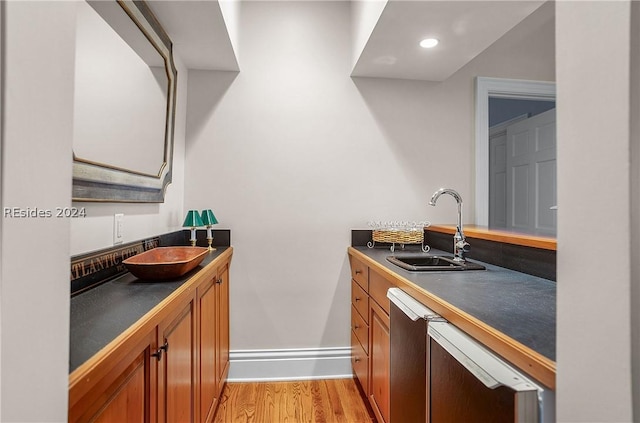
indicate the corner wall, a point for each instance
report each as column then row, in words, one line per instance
column 635, row 206
column 38, row 60
column 594, row 319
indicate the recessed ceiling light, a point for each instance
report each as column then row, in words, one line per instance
column 429, row 43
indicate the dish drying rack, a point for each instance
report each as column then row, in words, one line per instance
column 402, row 233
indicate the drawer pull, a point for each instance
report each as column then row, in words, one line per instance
column 356, row 359
column 356, row 327
column 358, row 299
column 358, row 271
column 219, row 281
column 158, row 353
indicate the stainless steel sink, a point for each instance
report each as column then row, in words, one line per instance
column 424, row 263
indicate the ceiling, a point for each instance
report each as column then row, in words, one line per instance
column 464, row 29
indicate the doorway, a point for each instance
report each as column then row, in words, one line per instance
column 522, row 166
column 497, row 88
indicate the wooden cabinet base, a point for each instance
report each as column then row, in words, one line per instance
column 177, row 368
column 119, row 391
column 170, row 366
column 379, row 377
column 370, row 356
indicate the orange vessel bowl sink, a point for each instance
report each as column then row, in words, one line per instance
column 164, row 263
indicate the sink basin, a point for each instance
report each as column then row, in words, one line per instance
column 164, row 263
column 424, row 263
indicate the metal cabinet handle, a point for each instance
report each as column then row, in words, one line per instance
column 158, row 353
column 358, row 299
column 358, row 271
column 219, row 281
column 356, row 327
column 356, row 359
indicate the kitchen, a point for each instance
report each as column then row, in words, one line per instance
column 319, row 151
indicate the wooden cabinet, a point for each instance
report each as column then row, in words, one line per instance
column 222, row 325
column 213, row 342
column 378, row 287
column 207, row 349
column 370, row 335
column 379, row 379
column 360, row 301
column 176, row 366
column 170, row 366
column 122, row 390
column 360, row 322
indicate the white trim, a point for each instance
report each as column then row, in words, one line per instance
column 290, row 364
column 501, row 88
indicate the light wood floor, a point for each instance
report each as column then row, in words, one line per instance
column 314, row 401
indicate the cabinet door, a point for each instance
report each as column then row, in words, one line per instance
column 360, row 363
column 359, row 272
column 125, row 391
column 379, row 353
column 222, row 321
column 207, row 310
column 177, row 367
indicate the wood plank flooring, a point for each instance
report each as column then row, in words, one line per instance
column 313, row 401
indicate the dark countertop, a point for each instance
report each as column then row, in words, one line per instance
column 521, row 306
column 99, row 315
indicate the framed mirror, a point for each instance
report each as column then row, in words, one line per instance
column 125, row 97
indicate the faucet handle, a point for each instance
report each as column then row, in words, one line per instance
column 463, row 246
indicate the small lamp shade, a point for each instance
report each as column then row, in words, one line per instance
column 192, row 221
column 208, row 218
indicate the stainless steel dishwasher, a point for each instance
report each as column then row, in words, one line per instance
column 469, row 383
column 408, row 366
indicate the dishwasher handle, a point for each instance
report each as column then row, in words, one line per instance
column 411, row 307
column 484, row 365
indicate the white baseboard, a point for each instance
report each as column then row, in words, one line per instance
column 290, row 364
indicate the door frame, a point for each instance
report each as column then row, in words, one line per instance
column 498, row 88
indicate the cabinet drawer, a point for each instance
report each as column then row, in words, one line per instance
column 359, row 273
column 360, row 363
column 360, row 329
column 360, row 300
column 378, row 287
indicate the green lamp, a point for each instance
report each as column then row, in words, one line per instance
column 208, row 220
column 192, row 221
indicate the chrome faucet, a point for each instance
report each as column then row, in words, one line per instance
column 460, row 245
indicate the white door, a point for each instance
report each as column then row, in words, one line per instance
column 498, row 172
column 531, row 174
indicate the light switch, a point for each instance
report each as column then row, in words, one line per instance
column 118, row 229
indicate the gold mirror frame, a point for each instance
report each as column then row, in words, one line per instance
column 101, row 182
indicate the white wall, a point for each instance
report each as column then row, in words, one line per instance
column 594, row 283
column 37, row 134
column 635, row 205
column 288, row 155
column 36, row 172
column 291, row 153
